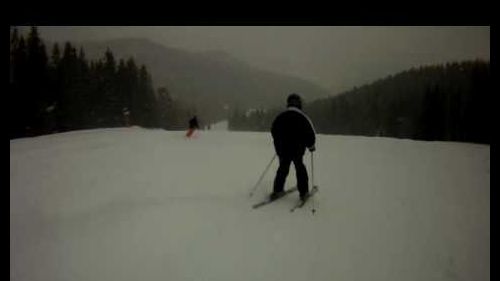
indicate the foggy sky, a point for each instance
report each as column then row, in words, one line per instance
column 337, row 58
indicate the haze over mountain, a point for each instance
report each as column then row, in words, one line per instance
column 213, row 78
column 335, row 57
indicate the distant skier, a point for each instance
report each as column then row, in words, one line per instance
column 292, row 132
column 193, row 126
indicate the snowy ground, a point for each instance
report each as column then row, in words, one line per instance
column 220, row 126
column 135, row 204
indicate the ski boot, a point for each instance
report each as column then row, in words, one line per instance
column 276, row 195
column 304, row 197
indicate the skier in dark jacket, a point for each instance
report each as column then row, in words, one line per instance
column 193, row 123
column 193, row 126
column 292, row 133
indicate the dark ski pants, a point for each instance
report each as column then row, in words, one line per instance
column 300, row 171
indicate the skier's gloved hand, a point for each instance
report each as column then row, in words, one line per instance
column 312, row 148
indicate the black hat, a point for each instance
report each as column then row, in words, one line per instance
column 294, row 100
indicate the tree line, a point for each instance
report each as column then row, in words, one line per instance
column 66, row 91
column 449, row 102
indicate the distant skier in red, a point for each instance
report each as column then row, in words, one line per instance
column 193, row 126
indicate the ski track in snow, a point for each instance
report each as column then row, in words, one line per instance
column 137, row 204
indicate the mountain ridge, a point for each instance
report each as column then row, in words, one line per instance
column 210, row 77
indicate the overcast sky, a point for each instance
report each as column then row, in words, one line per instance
column 334, row 57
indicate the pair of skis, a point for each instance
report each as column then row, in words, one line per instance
column 298, row 205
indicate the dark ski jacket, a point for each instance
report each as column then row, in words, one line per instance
column 292, row 132
column 193, row 123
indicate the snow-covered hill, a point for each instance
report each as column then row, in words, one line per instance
column 136, row 204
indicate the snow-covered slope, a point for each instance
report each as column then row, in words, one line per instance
column 136, row 204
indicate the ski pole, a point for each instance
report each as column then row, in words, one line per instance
column 262, row 176
column 312, row 168
column 312, row 179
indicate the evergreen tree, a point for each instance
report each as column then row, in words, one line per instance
column 18, row 69
column 122, row 89
column 112, row 111
column 132, row 93
column 82, row 89
column 38, row 98
column 68, row 99
column 146, row 100
column 14, row 41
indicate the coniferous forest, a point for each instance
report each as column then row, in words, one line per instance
column 448, row 102
column 59, row 90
